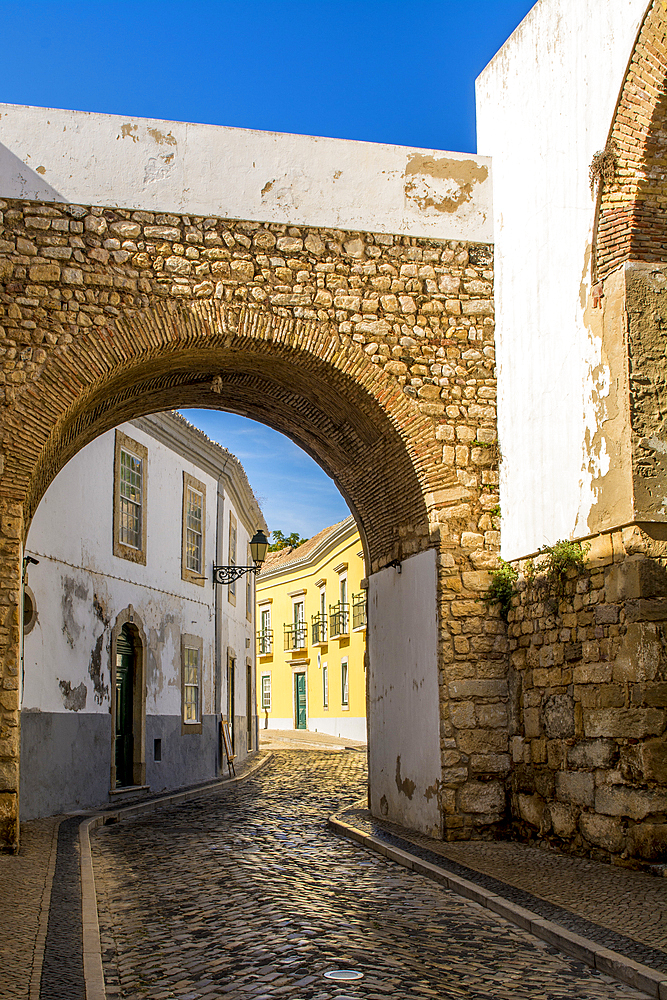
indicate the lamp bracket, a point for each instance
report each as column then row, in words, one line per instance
column 229, row 574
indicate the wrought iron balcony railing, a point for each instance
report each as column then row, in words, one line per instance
column 296, row 635
column 339, row 619
column 358, row 611
column 319, row 628
column 265, row 642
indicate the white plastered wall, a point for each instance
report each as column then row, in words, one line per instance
column 544, row 108
column 404, row 709
column 94, row 159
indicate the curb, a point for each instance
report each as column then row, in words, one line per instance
column 93, row 972
column 604, row 960
column 40, row 940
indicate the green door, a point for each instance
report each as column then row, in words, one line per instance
column 300, row 700
column 124, row 706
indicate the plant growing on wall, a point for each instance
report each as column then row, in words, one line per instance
column 561, row 557
column 501, row 588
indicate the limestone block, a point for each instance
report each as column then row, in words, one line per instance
column 482, row 740
column 602, row 831
column 576, row 787
column 592, row 673
column 606, row 614
column 45, row 272
column 489, row 763
column 563, row 819
column 467, row 689
column 170, row 233
column 636, row 577
column 592, row 753
column 619, row 800
column 641, row 654
column 538, row 751
column 631, row 723
column 653, row 756
column 531, row 809
column 492, row 716
column 648, row 841
column 558, row 716
column 601, row 552
column 462, row 714
column 531, row 723
column 481, row 797
column 656, row 694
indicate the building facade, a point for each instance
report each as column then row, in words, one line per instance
column 311, row 635
column 131, row 654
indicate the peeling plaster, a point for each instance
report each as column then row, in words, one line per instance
column 441, row 184
column 95, row 671
column 405, row 786
column 70, row 590
column 74, row 699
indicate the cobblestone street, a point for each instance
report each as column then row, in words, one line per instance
column 249, row 894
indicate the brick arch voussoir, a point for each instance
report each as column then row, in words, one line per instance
column 298, row 377
column 631, row 223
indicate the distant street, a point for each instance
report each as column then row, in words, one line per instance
column 248, row 894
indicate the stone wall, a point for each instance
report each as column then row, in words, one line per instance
column 374, row 351
column 588, row 701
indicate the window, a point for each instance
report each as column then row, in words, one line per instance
column 265, row 634
column 231, row 557
column 325, row 685
column 129, row 505
column 296, row 632
column 191, row 683
column 319, row 621
column 359, row 610
column 344, row 687
column 266, row 692
column 193, row 531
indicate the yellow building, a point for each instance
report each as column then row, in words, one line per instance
column 311, row 642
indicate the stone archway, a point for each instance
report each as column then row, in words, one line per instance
column 374, row 352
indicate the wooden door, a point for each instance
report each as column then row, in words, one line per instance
column 248, row 703
column 124, row 709
column 300, row 701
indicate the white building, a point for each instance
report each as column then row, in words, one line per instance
column 132, row 655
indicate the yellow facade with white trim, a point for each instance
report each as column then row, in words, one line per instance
column 311, row 638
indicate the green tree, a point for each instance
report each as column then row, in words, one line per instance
column 280, row 541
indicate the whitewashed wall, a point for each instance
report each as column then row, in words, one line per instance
column 404, row 708
column 85, row 158
column 544, row 108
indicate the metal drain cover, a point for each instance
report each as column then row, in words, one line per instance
column 343, row 975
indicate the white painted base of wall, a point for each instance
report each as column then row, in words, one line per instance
column 275, row 723
column 404, row 702
column 349, row 727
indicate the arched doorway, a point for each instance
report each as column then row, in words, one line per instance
column 390, row 391
column 128, row 702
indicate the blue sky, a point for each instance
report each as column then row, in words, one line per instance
column 395, row 71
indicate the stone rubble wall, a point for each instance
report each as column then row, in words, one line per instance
column 588, row 702
column 87, row 293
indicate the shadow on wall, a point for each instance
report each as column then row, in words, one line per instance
column 17, row 180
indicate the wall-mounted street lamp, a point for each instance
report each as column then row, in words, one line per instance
column 259, row 544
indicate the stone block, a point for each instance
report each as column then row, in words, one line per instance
column 656, row 694
column 606, row 614
column 552, row 677
column 531, row 809
column 461, row 690
column 489, row 763
column 620, row 800
column 482, row 740
column 575, row 787
column 531, row 723
column 630, row 723
column 641, row 654
column 9, row 774
column 558, row 716
column 646, row 610
column 518, row 747
column 653, row 756
column 462, row 714
column 635, row 578
column 45, row 272
column 472, row 540
column 563, row 819
column 481, row 797
column 538, row 751
column 592, row 754
column 603, row 831
column 492, row 716
column 600, row 552
column 648, row 841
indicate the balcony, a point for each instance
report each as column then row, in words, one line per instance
column 319, row 629
column 358, row 611
column 265, row 642
column 339, row 617
column 296, row 635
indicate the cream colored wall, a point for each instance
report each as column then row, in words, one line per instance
column 282, row 665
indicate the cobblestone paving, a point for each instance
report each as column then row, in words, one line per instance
column 23, row 884
column 247, row 894
column 619, row 908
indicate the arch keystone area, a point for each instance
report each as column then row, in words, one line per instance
column 342, row 293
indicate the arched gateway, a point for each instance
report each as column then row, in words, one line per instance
column 357, row 320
